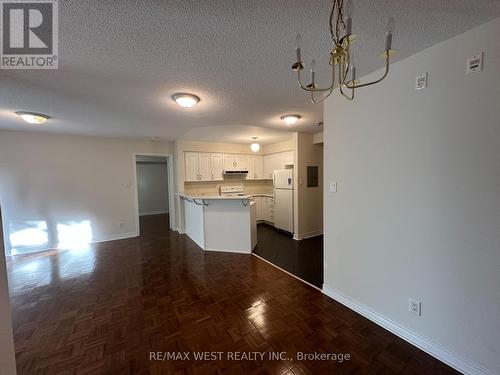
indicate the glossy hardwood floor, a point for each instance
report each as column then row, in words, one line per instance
column 303, row 259
column 101, row 310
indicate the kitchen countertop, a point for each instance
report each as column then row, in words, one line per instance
column 213, row 197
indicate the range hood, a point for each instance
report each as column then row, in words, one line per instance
column 236, row 171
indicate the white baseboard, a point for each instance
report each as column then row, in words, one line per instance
column 445, row 355
column 303, row 236
column 54, row 246
column 114, row 237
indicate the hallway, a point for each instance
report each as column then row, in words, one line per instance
column 103, row 309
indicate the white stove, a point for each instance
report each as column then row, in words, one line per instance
column 231, row 190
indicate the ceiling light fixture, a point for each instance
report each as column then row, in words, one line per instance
column 185, row 100
column 341, row 59
column 255, row 147
column 290, row 119
column 33, row 117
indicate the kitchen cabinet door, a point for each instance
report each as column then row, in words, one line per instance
column 258, row 204
column 258, row 168
column 241, row 161
column 272, row 163
column 216, row 164
column 204, row 167
column 279, row 161
column 228, row 161
column 191, row 166
column 251, row 168
column 270, row 208
column 289, row 158
column 268, row 166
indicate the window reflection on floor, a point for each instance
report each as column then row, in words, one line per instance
column 74, row 235
column 32, row 270
column 28, row 236
column 74, row 256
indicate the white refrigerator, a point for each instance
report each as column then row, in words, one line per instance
column 283, row 199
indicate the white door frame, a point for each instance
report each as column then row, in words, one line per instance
column 170, row 182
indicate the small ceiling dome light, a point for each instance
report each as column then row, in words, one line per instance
column 185, row 100
column 290, row 119
column 33, row 117
column 255, row 147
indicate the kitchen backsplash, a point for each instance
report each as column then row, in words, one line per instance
column 249, row 186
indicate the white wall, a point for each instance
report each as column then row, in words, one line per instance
column 7, row 358
column 417, row 213
column 56, row 179
column 152, row 188
column 308, row 215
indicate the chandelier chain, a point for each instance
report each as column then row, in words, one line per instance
column 339, row 24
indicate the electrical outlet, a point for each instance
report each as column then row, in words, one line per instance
column 421, row 81
column 474, row 63
column 414, row 307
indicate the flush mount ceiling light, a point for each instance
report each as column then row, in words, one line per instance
column 255, row 147
column 185, row 100
column 33, row 117
column 290, row 119
column 342, row 61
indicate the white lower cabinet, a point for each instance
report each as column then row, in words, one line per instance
column 264, row 209
column 258, row 208
column 269, row 211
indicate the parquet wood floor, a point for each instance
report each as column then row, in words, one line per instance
column 102, row 310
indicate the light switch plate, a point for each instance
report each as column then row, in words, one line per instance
column 333, row 187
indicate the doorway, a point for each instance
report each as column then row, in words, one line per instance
column 154, row 198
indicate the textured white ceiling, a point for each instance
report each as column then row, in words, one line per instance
column 120, row 60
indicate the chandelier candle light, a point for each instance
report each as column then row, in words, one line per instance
column 341, row 59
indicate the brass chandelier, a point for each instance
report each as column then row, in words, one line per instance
column 341, row 59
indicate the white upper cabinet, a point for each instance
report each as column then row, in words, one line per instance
column 255, row 166
column 205, row 167
column 229, row 161
column 251, row 167
column 241, row 161
column 273, row 162
column 217, row 170
column 268, row 171
column 235, row 161
column 191, row 167
column 258, row 168
column 289, row 158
